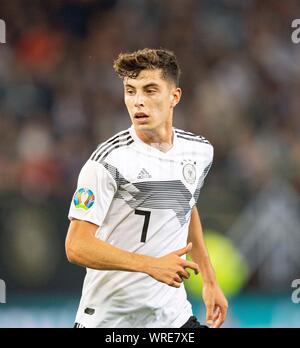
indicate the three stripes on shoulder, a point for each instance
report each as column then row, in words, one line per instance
column 103, row 150
column 191, row 136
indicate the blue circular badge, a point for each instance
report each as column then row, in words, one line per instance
column 84, row 198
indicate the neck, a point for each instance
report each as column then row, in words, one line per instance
column 161, row 138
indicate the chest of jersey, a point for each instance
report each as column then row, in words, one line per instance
column 156, row 181
column 138, row 167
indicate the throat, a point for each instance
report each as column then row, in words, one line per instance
column 163, row 147
column 162, row 142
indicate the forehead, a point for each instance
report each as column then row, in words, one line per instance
column 145, row 77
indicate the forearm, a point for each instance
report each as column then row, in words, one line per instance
column 84, row 249
column 199, row 251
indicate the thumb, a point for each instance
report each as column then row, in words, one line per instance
column 184, row 250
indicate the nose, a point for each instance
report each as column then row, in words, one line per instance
column 139, row 100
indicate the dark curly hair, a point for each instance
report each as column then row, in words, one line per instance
column 131, row 64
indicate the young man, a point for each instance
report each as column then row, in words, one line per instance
column 134, row 215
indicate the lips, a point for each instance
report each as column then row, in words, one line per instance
column 140, row 115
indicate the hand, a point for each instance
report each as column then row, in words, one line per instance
column 216, row 305
column 170, row 269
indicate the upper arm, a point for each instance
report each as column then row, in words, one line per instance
column 78, row 233
column 89, row 206
column 195, row 227
column 195, row 217
column 194, row 213
column 94, row 194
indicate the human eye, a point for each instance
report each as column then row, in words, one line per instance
column 129, row 91
column 151, row 91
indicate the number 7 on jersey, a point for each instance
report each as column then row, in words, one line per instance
column 146, row 222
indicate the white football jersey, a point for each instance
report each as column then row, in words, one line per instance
column 141, row 199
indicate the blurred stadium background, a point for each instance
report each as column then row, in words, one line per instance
column 59, row 98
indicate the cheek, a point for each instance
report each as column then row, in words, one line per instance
column 128, row 102
column 163, row 104
column 160, row 102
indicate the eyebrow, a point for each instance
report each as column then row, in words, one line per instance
column 151, row 84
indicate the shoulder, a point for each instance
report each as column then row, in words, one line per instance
column 189, row 137
column 195, row 143
column 118, row 141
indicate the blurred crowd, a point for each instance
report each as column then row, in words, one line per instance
column 59, row 95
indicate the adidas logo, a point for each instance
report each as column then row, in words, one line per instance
column 143, row 174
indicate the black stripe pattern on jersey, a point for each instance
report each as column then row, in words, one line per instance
column 122, row 139
column 153, row 194
column 100, row 146
column 201, row 181
column 191, row 136
column 117, row 176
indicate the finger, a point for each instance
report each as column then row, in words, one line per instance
column 175, row 284
column 216, row 314
column 209, row 313
column 184, row 274
column 192, row 265
column 184, row 250
column 221, row 318
column 178, row 279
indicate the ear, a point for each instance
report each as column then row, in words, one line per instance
column 176, row 95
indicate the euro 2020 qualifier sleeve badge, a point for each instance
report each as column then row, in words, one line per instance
column 84, row 198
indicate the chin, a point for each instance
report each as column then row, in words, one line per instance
column 143, row 126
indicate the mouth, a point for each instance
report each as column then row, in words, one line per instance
column 140, row 116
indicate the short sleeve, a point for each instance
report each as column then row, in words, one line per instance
column 206, row 165
column 94, row 194
column 208, row 160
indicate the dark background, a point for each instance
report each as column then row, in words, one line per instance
column 59, row 98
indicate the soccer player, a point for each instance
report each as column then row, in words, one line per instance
column 134, row 215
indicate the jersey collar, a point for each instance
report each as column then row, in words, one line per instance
column 150, row 148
